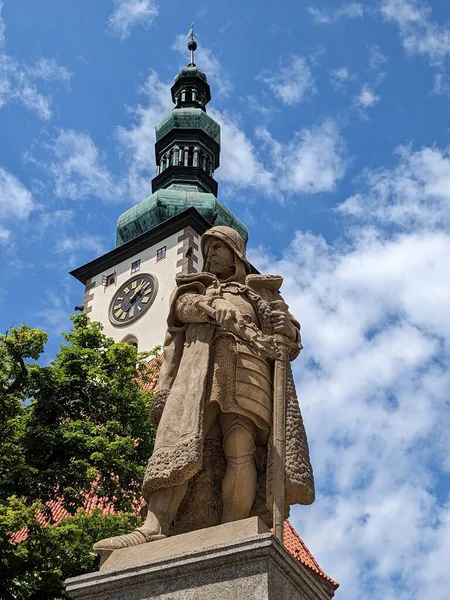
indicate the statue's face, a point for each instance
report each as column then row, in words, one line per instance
column 220, row 259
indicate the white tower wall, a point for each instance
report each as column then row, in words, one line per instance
column 149, row 330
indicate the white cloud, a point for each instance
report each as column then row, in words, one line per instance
column 57, row 309
column 350, row 10
column 139, row 139
column 16, row 86
column 49, row 70
column 5, row 235
column 91, row 243
column 441, row 85
column 415, row 193
column 240, row 163
column 367, row 97
column 18, row 79
column 376, row 58
column 292, row 82
column 16, row 200
column 129, row 13
column 207, row 62
column 374, row 382
column 16, row 203
column 312, row 162
column 55, row 218
column 253, row 104
column 418, row 33
column 340, row 76
column 17, row 83
column 78, row 168
column 316, row 159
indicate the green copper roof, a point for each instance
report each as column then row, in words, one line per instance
column 167, row 203
column 191, row 72
column 188, row 118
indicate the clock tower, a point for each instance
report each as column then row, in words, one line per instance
column 128, row 289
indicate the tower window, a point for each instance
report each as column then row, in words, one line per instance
column 132, row 340
column 109, row 279
column 136, row 265
column 161, row 253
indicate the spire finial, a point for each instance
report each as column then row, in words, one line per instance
column 192, row 44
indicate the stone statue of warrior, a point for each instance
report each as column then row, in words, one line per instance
column 213, row 450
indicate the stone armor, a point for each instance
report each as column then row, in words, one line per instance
column 238, row 380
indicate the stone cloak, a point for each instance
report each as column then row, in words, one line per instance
column 179, row 446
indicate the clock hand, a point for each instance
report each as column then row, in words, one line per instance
column 129, row 303
column 134, row 298
column 136, row 292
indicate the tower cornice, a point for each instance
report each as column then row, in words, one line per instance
column 189, row 176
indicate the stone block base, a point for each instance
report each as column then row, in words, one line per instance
column 236, row 561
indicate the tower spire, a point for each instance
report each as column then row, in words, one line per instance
column 187, row 152
column 192, row 44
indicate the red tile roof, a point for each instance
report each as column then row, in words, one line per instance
column 59, row 513
column 299, row 550
column 152, row 378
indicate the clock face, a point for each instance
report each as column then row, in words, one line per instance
column 132, row 300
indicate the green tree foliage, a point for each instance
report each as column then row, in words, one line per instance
column 67, row 430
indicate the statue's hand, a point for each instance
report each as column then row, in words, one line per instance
column 227, row 315
column 282, row 324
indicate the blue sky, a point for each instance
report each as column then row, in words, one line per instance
column 335, row 153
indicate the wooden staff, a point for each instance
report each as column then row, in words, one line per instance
column 279, row 437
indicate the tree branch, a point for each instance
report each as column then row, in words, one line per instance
column 14, row 386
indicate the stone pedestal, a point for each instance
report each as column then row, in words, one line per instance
column 236, row 561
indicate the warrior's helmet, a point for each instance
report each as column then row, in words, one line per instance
column 232, row 239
